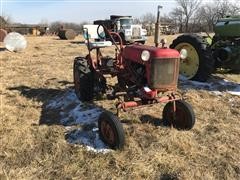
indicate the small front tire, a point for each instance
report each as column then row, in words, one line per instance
column 182, row 119
column 111, row 130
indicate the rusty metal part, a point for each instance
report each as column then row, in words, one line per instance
column 172, row 97
column 107, row 132
column 130, row 104
column 3, row 34
column 157, row 25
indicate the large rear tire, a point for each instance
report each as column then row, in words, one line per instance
column 83, row 79
column 111, row 130
column 199, row 63
column 182, row 119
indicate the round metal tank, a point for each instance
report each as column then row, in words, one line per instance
column 3, row 34
column 15, row 42
column 228, row 27
column 68, row 34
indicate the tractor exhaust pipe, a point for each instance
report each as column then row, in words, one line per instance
column 157, row 25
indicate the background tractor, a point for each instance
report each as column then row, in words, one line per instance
column 146, row 75
column 205, row 54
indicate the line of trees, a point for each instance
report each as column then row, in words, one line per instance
column 188, row 16
column 196, row 16
column 55, row 26
column 193, row 15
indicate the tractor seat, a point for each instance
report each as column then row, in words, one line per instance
column 93, row 40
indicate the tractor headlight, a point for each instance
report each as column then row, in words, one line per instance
column 183, row 54
column 145, row 55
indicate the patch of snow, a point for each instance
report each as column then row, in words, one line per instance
column 218, row 93
column 182, row 78
column 216, row 86
column 90, row 139
column 63, row 101
column 74, row 112
column 80, row 116
column 235, row 91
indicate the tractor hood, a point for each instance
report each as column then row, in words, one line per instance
column 133, row 52
column 228, row 27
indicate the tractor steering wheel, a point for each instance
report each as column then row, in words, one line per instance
column 106, row 32
column 101, row 34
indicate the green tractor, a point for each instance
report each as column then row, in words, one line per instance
column 205, row 54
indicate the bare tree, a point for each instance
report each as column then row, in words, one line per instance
column 148, row 18
column 206, row 17
column 188, row 8
column 225, row 8
column 44, row 22
column 54, row 27
column 136, row 21
column 209, row 13
column 177, row 16
column 5, row 19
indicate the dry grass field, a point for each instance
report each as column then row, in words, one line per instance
column 34, row 143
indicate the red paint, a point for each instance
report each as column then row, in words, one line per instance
column 129, row 104
column 164, row 99
column 134, row 52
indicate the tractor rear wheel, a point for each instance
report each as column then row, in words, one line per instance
column 182, row 119
column 111, row 130
column 83, row 79
column 199, row 63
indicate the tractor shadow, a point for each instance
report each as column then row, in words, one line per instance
column 42, row 95
column 62, row 107
column 149, row 119
column 215, row 84
column 78, row 42
column 168, row 176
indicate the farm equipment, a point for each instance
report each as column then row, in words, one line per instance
column 204, row 54
column 33, row 29
column 67, row 34
column 125, row 27
column 146, row 75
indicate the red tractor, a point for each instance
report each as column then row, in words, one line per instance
column 146, row 75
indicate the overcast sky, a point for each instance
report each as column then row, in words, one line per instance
column 34, row 11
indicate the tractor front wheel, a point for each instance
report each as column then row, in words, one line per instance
column 111, row 130
column 199, row 63
column 182, row 118
column 83, row 79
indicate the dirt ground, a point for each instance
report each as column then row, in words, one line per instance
column 34, row 143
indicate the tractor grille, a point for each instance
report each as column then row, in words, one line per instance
column 164, row 73
column 136, row 32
